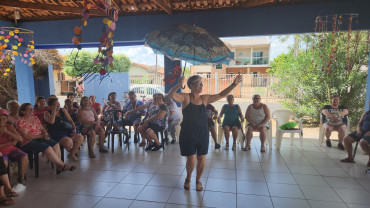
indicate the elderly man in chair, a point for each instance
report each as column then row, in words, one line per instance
column 362, row 135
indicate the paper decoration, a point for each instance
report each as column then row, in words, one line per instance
column 11, row 38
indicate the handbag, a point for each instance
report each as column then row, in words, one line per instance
column 66, row 126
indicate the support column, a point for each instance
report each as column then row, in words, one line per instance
column 25, row 82
column 368, row 86
column 51, row 80
column 169, row 65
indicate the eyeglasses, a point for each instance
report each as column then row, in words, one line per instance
column 257, row 98
column 200, row 83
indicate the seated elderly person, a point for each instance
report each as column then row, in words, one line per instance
column 36, row 139
column 334, row 119
column 8, row 138
column 173, row 119
column 68, row 106
column 39, row 108
column 231, row 121
column 155, row 123
column 149, row 106
column 62, row 129
column 112, row 104
column 212, row 114
column 6, row 191
column 72, row 97
column 258, row 116
column 90, row 125
column 362, row 135
column 95, row 105
column 134, row 118
column 13, row 108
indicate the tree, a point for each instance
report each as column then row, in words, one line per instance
column 8, row 83
column 83, row 62
column 121, row 63
column 323, row 67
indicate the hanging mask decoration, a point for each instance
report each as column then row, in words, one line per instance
column 103, row 62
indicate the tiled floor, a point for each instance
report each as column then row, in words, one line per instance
column 287, row 178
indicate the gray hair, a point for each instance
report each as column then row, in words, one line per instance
column 228, row 96
column 255, row 95
column 193, row 79
column 11, row 103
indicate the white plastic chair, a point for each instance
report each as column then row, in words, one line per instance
column 322, row 130
column 220, row 135
column 269, row 133
column 281, row 117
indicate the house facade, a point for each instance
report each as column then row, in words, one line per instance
column 251, row 55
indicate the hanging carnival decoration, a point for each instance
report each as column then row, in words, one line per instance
column 171, row 78
column 12, row 39
column 103, row 62
column 328, row 31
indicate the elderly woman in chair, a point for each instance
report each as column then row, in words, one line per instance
column 334, row 119
column 258, row 116
column 361, row 135
column 231, row 121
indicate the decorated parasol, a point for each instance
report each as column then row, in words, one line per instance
column 192, row 44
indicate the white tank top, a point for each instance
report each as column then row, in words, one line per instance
column 257, row 115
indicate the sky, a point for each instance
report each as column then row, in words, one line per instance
column 145, row 55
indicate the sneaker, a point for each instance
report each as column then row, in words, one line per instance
column 149, row 147
column 217, row 146
column 156, row 147
column 340, row 146
column 328, row 143
column 173, row 141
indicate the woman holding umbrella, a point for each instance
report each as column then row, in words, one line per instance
column 194, row 134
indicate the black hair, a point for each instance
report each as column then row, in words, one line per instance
column 70, row 94
column 37, row 100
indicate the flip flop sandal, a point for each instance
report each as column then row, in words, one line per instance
column 7, row 201
column 65, row 168
column 12, row 194
column 199, row 186
column 247, row 148
column 92, row 155
column 187, row 184
column 348, row 160
column 263, row 149
column 234, row 147
column 227, row 146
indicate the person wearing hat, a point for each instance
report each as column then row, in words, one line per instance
column 8, row 138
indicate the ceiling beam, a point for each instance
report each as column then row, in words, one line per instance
column 48, row 7
column 254, row 3
column 164, row 5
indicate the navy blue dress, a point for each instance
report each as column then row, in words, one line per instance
column 194, row 134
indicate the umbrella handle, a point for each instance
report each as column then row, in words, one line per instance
column 183, row 72
column 183, row 87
